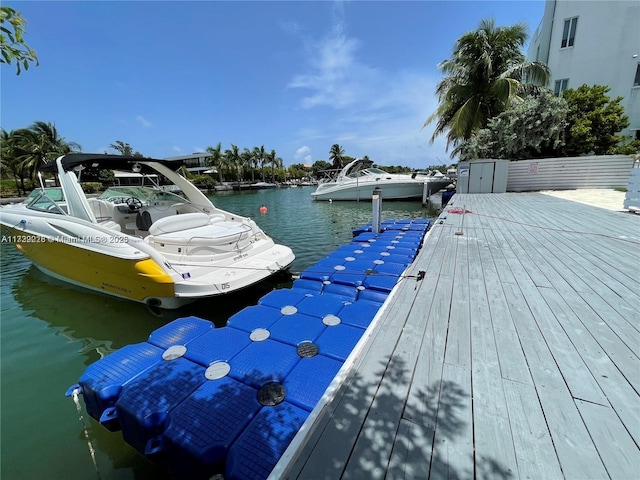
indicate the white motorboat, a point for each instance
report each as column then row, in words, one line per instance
column 358, row 179
column 145, row 244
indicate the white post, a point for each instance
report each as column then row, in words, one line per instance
column 376, row 202
column 425, row 193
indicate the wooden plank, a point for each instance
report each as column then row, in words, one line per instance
column 619, row 453
column 428, row 373
column 411, row 454
column 625, row 300
column 513, row 364
column 375, row 441
column 494, row 445
column 620, row 394
column 458, row 350
column 533, row 446
column 453, row 455
column 575, row 450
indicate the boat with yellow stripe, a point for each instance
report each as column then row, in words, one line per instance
column 144, row 244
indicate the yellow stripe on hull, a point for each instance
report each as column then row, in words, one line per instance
column 129, row 278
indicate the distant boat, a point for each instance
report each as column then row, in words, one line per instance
column 263, row 186
column 358, row 179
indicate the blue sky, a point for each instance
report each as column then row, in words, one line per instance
column 173, row 77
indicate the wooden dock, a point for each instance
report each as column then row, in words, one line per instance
column 517, row 356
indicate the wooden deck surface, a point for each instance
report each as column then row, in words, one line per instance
column 516, row 357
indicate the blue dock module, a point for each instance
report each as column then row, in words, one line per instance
column 308, row 381
column 338, row 341
column 217, row 345
column 252, row 318
column 147, row 401
column 201, row 430
column 103, row 381
column 263, row 362
column 228, row 401
column 261, row 445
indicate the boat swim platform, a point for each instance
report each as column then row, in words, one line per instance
column 516, row 356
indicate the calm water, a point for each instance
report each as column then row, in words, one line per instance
column 51, row 332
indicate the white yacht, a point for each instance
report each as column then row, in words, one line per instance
column 358, row 179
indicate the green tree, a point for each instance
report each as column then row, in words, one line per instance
column 249, row 160
column 533, row 128
column 486, row 72
column 594, row 119
column 25, row 150
column 336, row 155
column 12, row 44
column 259, row 154
column 10, row 159
column 218, row 159
column 234, row 157
column 124, row 148
column 40, row 144
column 318, row 168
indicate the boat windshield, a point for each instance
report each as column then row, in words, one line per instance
column 367, row 171
column 48, row 200
column 145, row 194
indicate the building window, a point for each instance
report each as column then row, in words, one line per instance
column 636, row 80
column 561, row 86
column 569, row 32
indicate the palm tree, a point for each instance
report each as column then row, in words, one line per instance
column 486, row 72
column 234, row 157
column 217, row 159
column 259, row 154
column 249, row 159
column 10, row 158
column 271, row 160
column 40, row 144
column 336, row 154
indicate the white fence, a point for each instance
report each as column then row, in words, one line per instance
column 632, row 197
column 600, row 171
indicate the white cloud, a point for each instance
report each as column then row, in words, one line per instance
column 177, row 149
column 143, row 121
column 303, row 155
column 372, row 112
column 198, row 150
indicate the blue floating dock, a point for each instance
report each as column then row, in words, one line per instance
column 223, row 409
column 228, row 401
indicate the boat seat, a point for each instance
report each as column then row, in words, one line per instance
column 176, row 223
column 111, row 225
column 102, row 210
column 143, row 221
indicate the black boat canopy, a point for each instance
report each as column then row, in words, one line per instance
column 105, row 161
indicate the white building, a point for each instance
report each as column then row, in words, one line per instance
column 593, row 43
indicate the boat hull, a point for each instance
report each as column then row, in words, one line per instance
column 128, row 267
column 388, row 191
column 138, row 279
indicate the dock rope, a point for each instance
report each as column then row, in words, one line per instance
column 85, row 430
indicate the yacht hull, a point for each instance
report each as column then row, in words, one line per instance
column 364, row 191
